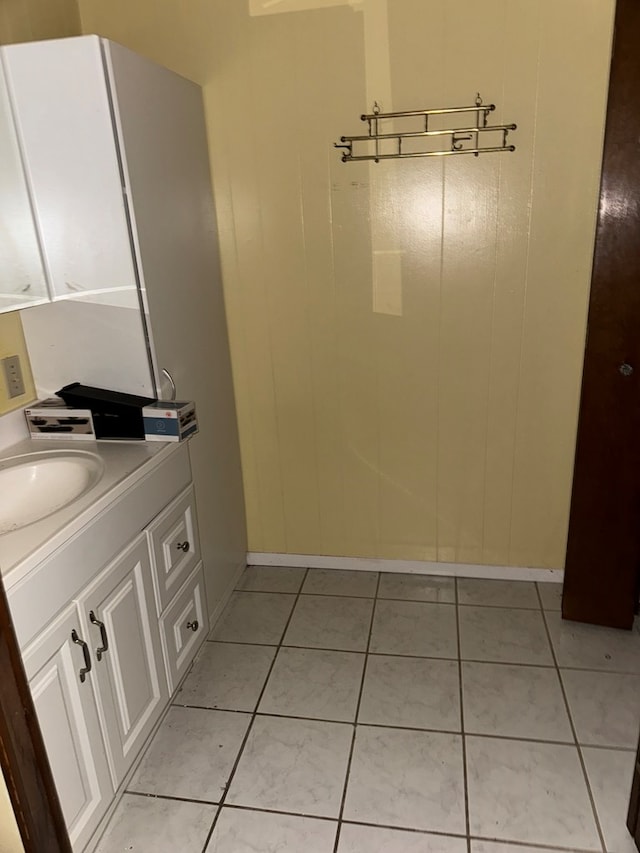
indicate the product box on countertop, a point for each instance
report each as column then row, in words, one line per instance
column 173, row 420
column 51, row 418
column 115, row 415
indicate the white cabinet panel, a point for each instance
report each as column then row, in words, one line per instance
column 68, row 718
column 184, row 627
column 22, row 280
column 132, row 689
column 63, row 116
column 175, row 547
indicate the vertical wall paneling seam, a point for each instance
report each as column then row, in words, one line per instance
column 310, row 350
column 443, row 171
column 526, row 281
column 252, row 88
column 494, row 294
column 241, row 375
column 308, row 303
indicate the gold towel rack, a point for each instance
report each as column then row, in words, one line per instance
column 472, row 131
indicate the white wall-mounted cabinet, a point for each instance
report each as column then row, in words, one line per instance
column 72, row 166
column 22, row 278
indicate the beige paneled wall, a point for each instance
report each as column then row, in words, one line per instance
column 31, row 20
column 12, row 343
column 406, row 337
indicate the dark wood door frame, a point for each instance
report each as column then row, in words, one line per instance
column 22, row 753
column 603, row 549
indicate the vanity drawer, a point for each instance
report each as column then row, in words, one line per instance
column 173, row 538
column 184, row 627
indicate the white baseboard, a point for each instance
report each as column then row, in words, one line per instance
column 423, row 567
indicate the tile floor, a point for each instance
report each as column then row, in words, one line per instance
column 351, row 712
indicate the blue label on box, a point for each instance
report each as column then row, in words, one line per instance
column 161, row 426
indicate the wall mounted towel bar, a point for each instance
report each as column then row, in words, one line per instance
column 376, row 144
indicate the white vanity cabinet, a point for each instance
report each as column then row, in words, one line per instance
column 117, row 612
column 69, row 720
column 103, row 648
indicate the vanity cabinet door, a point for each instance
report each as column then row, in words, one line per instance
column 68, row 717
column 119, row 619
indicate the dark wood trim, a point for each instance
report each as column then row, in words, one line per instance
column 603, row 548
column 22, row 753
column 633, row 816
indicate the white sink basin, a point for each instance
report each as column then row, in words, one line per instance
column 35, row 485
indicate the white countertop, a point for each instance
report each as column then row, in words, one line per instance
column 125, row 462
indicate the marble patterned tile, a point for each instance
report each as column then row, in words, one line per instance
column 254, row 617
column 293, row 765
column 498, row 593
column 228, row 676
column 152, row 825
column 514, row 701
column 271, row 579
column 414, row 587
column 415, row 628
column 192, row 754
column 594, row 647
column 341, row 582
column 314, row 683
column 377, row 839
column 610, row 773
column 502, row 847
column 330, row 623
column 243, row 831
column 605, row 707
column 551, row 595
column 405, row 778
column 413, row 692
column 503, row 635
column 529, row 792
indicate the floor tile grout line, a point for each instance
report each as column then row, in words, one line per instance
column 574, row 731
column 396, row 598
column 411, row 728
column 357, row 713
column 529, row 845
column 552, row 666
column 252, row 721
column 173, row 797
column 465, row 774
column 398, row 828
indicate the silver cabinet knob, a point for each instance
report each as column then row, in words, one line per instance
column 625, row 369
column 193, row 625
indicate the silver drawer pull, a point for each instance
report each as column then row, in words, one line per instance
column 183, row 546
column 193, row 625
column 85, row 651
column 103, row 635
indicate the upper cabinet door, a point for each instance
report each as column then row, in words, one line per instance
column 22, row 279
column 63, row 116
